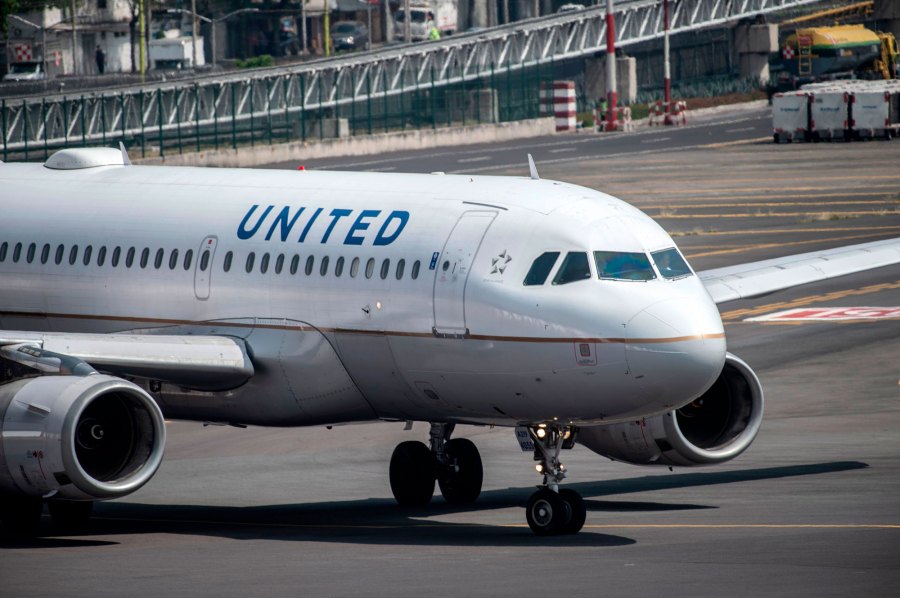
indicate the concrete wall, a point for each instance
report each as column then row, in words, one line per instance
column 361, row 145
column 626, row 78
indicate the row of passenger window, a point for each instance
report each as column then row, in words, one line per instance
column 340, row 264
column 19, row 252
column 611, row 265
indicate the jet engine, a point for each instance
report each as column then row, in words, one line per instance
column 78, row 437
column 713, row 428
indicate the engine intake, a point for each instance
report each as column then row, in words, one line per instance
column 78, row 437
column 713, row 428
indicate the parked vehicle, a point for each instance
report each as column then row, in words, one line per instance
column 349, row 35
column 444, row 17
column 25, row 71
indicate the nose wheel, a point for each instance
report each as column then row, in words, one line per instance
column 553, row 511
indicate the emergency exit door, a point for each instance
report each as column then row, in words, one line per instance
column 452, row 272
column 203, row 267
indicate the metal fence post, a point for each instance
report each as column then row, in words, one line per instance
column 495, row 93
column 159, row 114
column 65, row 115
column 103, row 118
column 287, row 116
column 44, row 119
column 384, row 84
column 5, row 150
column 321, row 112
column 178, row 119
column 25, row 127
column 216, row 97
column 233, row 118
column 269, row 105
column 369, row 100
column 252, row 129
column 143, row 136
column 197, row 114
column 124, row 115
column 433, row 100
column 302, row 108
column 83, row 124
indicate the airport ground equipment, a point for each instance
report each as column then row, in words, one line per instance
column 813, row 53
column 235, row 100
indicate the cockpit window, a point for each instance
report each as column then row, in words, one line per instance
column 670, row 263
column 540, row 269
column 575, row 267
column 618, row 265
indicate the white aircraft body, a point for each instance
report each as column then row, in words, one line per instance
column 285, row 298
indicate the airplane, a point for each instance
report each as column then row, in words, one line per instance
column 134, row 294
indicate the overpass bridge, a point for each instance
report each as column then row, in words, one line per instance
column 230, row 102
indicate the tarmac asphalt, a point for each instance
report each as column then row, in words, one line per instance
column 810, row 509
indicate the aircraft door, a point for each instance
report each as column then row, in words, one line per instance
column 203, row 267
column 453, row 271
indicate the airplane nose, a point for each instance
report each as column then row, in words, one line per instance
column 675, row 349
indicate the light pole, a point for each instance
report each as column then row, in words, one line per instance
column 369, row 13
column 212, row 22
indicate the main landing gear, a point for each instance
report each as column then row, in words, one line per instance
column 551, row 511
column 20, row 516
column 455, row 465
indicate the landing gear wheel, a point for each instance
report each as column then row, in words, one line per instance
column 547, row 513
column 461, row 482
column 70, row 514
column 412, row 474
column 20, row 515
column 577, row 508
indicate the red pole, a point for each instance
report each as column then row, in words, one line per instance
column 612, row 117
column 667, row 99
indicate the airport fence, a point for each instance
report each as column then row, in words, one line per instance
column 500, row 94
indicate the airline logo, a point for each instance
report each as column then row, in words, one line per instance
column 319, row 225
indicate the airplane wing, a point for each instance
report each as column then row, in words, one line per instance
column 200, row 362
column 759, row 278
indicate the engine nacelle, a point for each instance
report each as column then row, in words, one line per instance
column 78, row 437
column 714, row 428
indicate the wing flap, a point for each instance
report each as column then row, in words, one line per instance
column 202, row 362
column 759, row 278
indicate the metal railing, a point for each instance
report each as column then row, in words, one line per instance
column 211, row 108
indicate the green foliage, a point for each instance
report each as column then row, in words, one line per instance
column 255, row 62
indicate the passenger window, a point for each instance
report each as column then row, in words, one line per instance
column 173, row 259
column 310, row 262
column 129, row 257
column 188, row 259
column 31, row 249
column 45, row 253
column 264, row 263
column 414, row 274
column 101, row 255
column 617, row 265
column 86, row 259
column 73, row 255
column 117, row 253
column 575, row 267
column 226, row 265
column 295, row 263
column 17, row 252
column 251, row 257
column 370, row 267
column 204, row 260
column 279, row 263
column 385, row 268
column 157, row 262
column 540, row 269
column 323, row 268
column 3, row 248
column 60, row 254
column 400, row 265
column 339, row 267
column 145, row 257
column 670, row 264
column 354, row 267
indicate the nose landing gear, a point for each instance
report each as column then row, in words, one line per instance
column 551, row 511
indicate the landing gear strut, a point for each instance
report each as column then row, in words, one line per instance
column 455, row 465
column 551, row 511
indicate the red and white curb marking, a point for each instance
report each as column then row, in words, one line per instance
column 830, row 314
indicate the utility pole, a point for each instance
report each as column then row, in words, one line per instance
column 612, row 117
column 406, row 32
column 667, row 74
column 194, row 34
column 74, row 38
column 142, row 45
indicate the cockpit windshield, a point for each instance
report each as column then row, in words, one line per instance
column 670, row 263
column 616, row 265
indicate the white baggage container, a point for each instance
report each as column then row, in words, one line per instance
column 871, row 111
column 829, row 114
column 790, row 116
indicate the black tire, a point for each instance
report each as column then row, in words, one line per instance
column 412, row 474
column 579, row 511
column 777, row 138
column 463, row 485
column 70, row 514
column 20, row 515
column 547, row 513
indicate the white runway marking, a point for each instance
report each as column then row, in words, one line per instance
column 656, row 140
column 830, row 314
column 740, row 130
column 562, row 149
column 478, row 159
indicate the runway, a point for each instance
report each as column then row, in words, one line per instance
column 810, row 509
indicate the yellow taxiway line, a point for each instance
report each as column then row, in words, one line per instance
column 746, row 248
